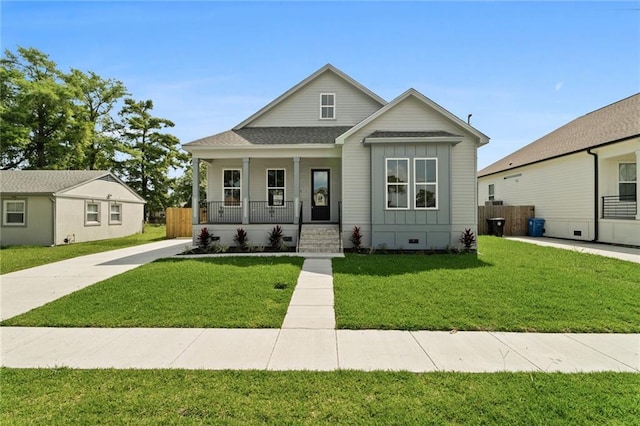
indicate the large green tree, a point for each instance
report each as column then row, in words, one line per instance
column 150, row 154
column 38, row 122
column 182, row 188
column 95, row 101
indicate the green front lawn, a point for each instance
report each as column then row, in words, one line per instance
column 15, row 258
column 509, row 286
column 62, row 396
column 231, row 292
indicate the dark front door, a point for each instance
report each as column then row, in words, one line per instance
column 320, row 197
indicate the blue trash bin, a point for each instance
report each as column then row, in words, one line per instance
column 536, row 227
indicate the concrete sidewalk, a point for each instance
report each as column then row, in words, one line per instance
column 307, row 340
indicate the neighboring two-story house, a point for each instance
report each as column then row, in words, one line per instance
column 331, row 153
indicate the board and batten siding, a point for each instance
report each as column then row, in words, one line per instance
column 302, row 108
column 409, row 115
column 561, row 190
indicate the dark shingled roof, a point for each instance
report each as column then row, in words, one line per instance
column 45, row 181
column 272, row 136
column 615, row 122
column 423, row 134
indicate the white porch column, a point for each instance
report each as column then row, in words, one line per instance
column 296, row 190
column 195, row 195
column 637, row 184
column 245, row 190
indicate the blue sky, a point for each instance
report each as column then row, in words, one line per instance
column 521, row 68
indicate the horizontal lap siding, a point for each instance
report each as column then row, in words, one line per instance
column 303, row 107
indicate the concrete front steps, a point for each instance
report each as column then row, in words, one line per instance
column 320, row 239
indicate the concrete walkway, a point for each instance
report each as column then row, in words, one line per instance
column 307, row 340
column 629, row 254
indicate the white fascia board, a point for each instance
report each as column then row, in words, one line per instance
column 269, row 151
column 422, row 139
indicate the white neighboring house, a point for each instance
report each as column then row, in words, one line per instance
column 582, row 178
column 331, row 153
column 53, row 207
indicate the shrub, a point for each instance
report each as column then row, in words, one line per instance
column 356, row 239
column 241, row 238
column 203, row 238
column 275, row 237
column 468, row 240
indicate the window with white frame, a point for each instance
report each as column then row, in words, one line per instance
column 492, row 192
column 232, row 187
column 14, row 212
column 92, row 213
column 397, row 183
column 327, row 106
column 425, row 171
column 627, row 181
column 115, row 214
column 275, row 187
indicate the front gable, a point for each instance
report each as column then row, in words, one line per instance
column 301, row 105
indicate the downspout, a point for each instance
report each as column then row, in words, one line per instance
column 53, row 219
column 596, row 196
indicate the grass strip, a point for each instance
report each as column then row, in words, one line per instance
column 230, row 292
column 509, row 286
column 63, row 396
column 15, row 258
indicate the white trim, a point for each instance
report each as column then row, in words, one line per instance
column 239, row 188
column 283, row 187
column 454, row 140
column 111, row 220
column 332, row 105
column 24, row 213
column 416, row 183
column 88, row 222
column 407, row 184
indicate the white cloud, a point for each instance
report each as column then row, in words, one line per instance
column 559, row 86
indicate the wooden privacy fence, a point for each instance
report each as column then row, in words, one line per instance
column 516, row 218
column 179, row 221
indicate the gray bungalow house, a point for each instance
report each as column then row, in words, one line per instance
column 53, row 207
column 329, row 155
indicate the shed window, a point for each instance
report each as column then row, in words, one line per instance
column 275, row 187
column 426, row 183
column 327, row 106
column 627, row 181
column 231, row 187
column 14, row 212
column 115, row 214
column 397, row 184
column 92, row 213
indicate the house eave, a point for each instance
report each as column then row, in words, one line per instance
column 435, row 139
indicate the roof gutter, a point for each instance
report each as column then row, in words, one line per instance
column 595, row 195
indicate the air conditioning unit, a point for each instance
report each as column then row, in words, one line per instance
column 493, row 203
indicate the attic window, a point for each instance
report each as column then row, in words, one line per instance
column 327, row 106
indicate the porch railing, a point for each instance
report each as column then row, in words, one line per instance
column 619, row 207
column 259, row 212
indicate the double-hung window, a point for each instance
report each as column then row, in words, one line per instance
column 627, row 182
column 425, row 172
column 397, row 183
column 327, row 106
column 231, row 187
column 115, row 214
column 92, row 213
column 275, row 187
column 14, row 212
column 492, row 191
